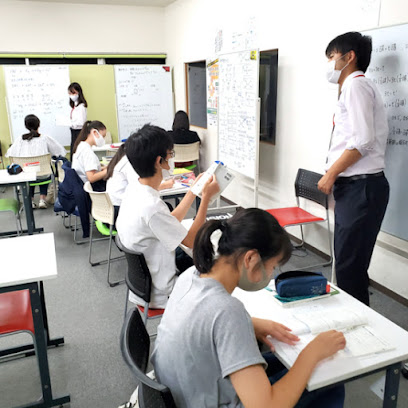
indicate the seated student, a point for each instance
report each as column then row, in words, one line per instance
column 85, row 162
column 182, row 134
column 206, row 349
column 119, row 174
column 145, row 223
column 35, row 144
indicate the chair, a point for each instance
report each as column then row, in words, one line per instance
column 44, row 172
column 103, row 213
column 12, row 205
column 305, row 187
column 139, row 282
column 135, row 347
column 186, row 153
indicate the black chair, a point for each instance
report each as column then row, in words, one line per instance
column 139, row 282
column 135, row 347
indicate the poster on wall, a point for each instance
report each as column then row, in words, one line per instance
column 212, row 92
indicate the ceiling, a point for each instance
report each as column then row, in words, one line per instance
column 144, row 3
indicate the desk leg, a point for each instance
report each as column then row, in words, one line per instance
column 28, row 208
column 198, row 202
column 41, row 343
column 391, row 386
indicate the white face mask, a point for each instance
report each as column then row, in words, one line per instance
column 333, row 74
column 74, row 98
column 170, row 162
column 100, row 141
column 245, row 284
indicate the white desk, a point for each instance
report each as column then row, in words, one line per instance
column 339, row 369
column 107, row 147
column 21, row 180
column 23, row 268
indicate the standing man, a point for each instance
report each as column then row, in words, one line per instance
column 355, row 162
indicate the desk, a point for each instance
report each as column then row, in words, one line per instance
column 342, row 369
column 21, row 180
column 177, row 193
column 27, row 271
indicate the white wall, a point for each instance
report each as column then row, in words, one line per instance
column 59, row 27
column 301, row 31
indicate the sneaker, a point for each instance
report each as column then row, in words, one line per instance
column 42, row 204
column 34, row 205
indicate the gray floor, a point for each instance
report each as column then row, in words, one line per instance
column 89, row 314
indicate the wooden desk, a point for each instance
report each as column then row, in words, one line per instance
column 23, row 267
column 339, row 369
column 23, row 179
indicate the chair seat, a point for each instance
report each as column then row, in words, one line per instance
column 9, row 204
column 151, row 312
column 104, row 229
column 15, row 312
column 293, row 216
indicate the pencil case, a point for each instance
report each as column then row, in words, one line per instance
column 300, row 283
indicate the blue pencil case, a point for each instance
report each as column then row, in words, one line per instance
column 300, row 283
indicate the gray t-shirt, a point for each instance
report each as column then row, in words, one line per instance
column 204, row 336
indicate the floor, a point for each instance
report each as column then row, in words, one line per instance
column 89, row 314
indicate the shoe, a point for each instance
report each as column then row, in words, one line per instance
column 34, row 205
column 42, row 204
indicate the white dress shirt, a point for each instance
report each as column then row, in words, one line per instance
column 37, row 146
column 146, row 225
column 360, row 123
column 123, row 174
column 85, row 160
column 78, row 116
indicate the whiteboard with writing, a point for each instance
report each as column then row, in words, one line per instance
column 389, row 70
column 42, row 91
column 143, row 95
column 238, row 89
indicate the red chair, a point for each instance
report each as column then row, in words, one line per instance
column 305, row 187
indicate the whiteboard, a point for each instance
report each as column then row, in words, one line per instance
column 389, row 70
column 238, row 137
column 143, row 95
column 42, row 91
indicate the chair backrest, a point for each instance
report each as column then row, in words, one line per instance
column 306, row 187
column 135, row 347
column 45, row 163
column 138, row 278
column 102, row 207
column 187, row 152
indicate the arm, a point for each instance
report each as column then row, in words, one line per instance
column 55, row 148
column 95, row 175
column 253, row 387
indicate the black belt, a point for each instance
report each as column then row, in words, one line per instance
column 345, row 180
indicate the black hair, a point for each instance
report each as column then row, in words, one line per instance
column 143, row 147
column 75, row 87
column 249, row 229
column 181, row 121
column 89, row 125
column 353, row 41
column 115, row 160
column 32, row 123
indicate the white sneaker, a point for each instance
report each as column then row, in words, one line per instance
column 42, row 204
column 34, row 205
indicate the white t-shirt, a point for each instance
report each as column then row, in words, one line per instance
column 37, row 146
column 85, row 160
column 123, row 174
column 78, row 116
column 146, row 225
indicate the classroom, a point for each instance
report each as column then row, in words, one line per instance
column 92, row 39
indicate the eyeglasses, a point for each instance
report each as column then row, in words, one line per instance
column 172, row 153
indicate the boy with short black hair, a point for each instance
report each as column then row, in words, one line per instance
column 145, row 223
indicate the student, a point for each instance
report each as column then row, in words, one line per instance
column 78, row 105
column 119, row 174
column 35, row 144
column 209, row 336
column 85, row 162
column 145, row 223
column 355, row 162
column 182, row 134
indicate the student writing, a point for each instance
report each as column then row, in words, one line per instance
column 206, row 350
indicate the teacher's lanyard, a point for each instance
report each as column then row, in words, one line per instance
column 334, row 125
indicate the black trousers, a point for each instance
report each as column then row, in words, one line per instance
column 359, row 211
column 74, row 135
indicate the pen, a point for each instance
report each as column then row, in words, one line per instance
column 185, row 185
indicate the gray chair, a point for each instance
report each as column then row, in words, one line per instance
column 135, row 347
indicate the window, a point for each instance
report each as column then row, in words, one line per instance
column 197, row 93
column 268, row 87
